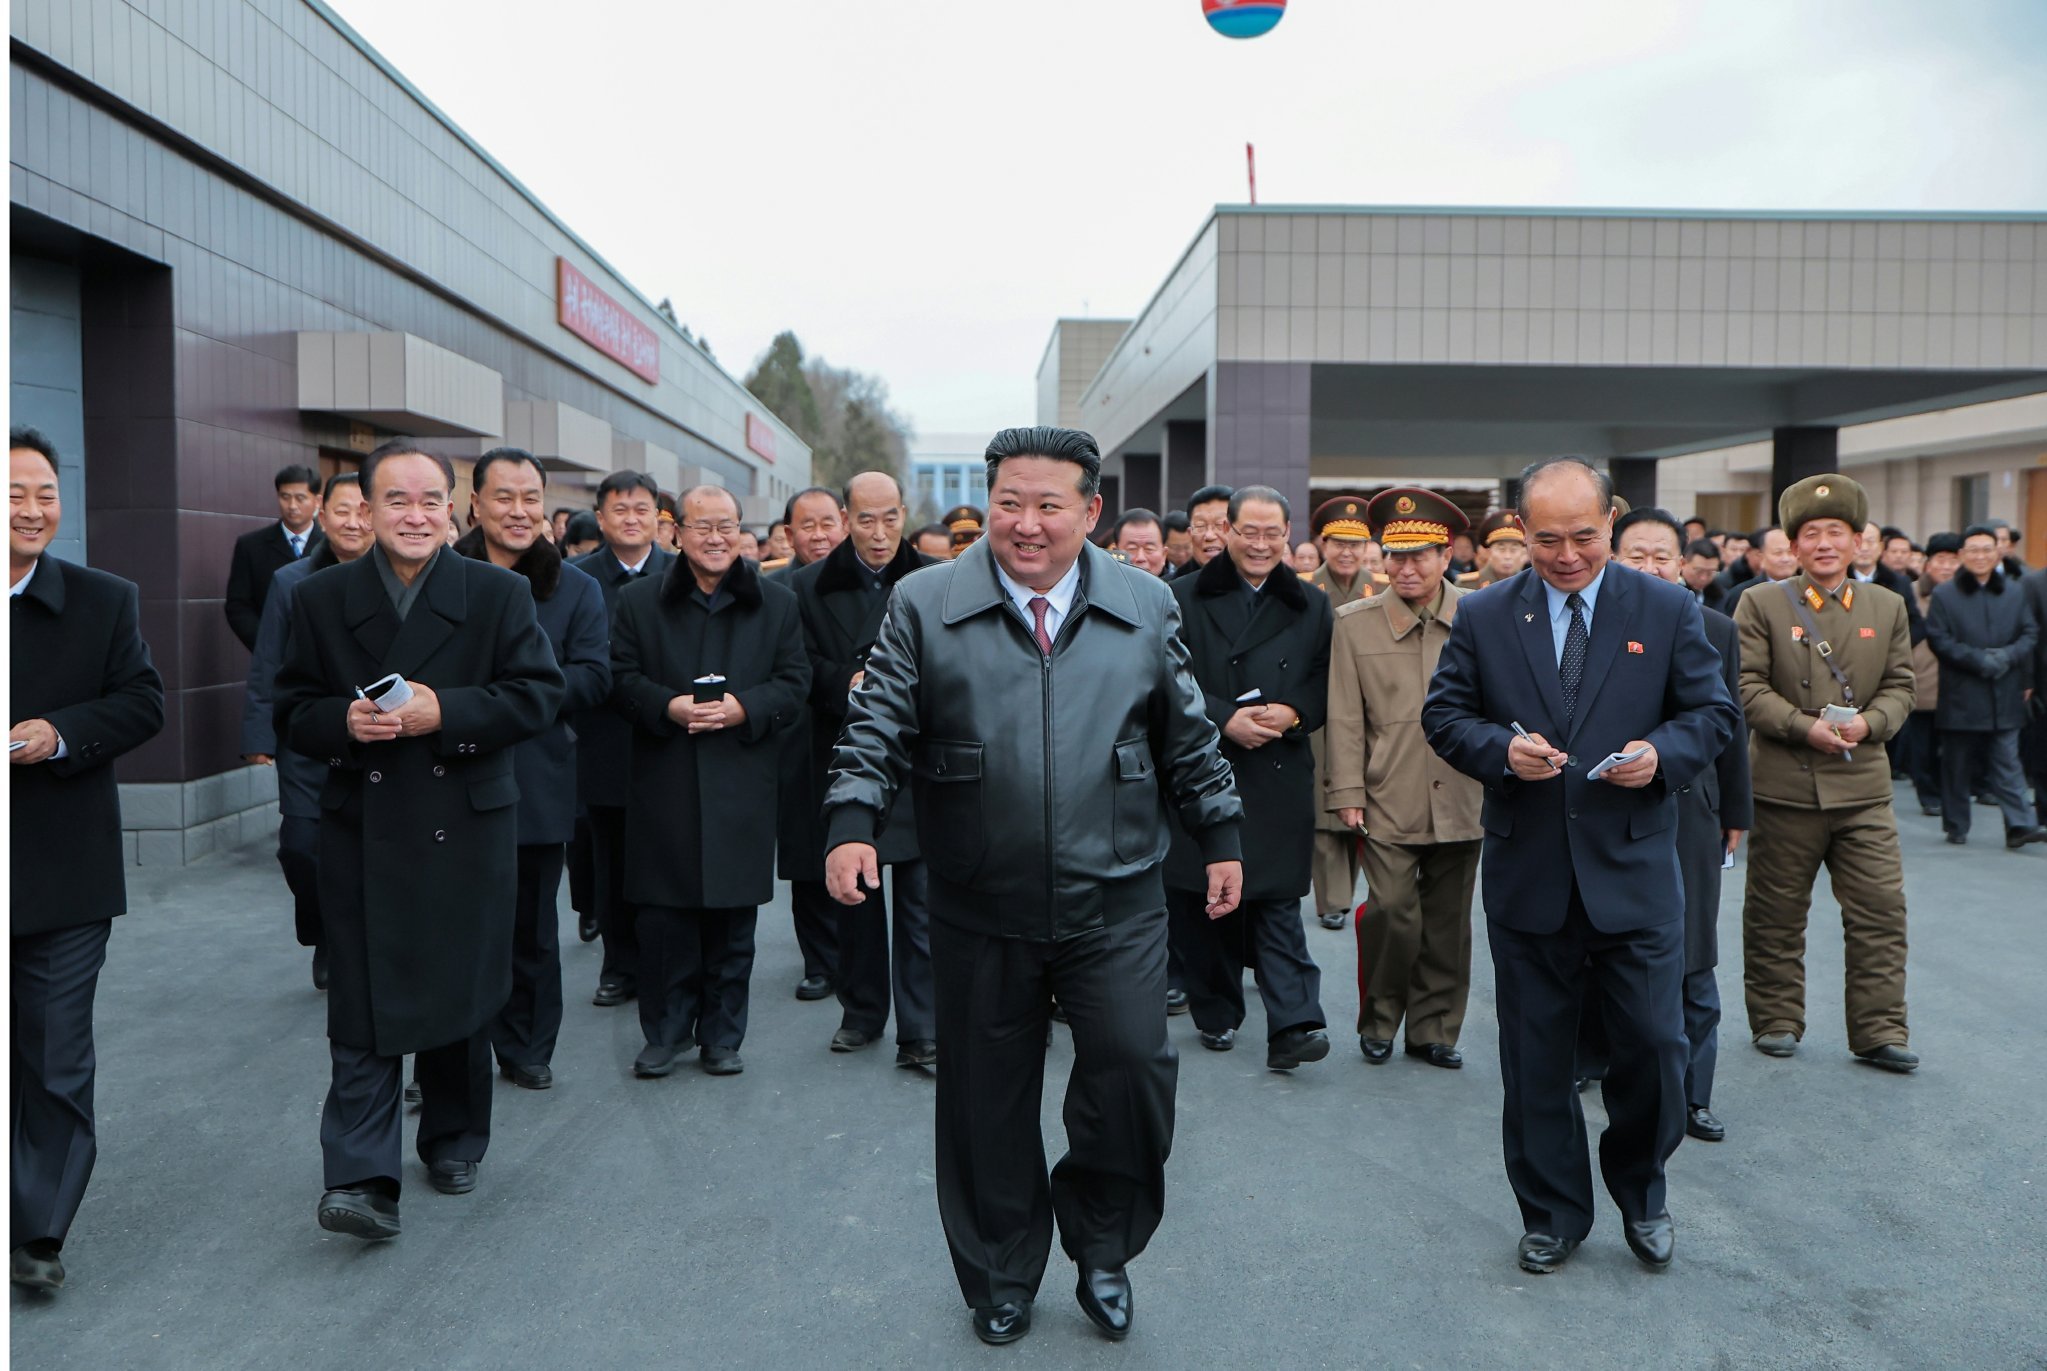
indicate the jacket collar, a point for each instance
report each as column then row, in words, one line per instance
column 974, row 589
column 843, row 569
column 1219, row 577
column 1963, row 577
column 540, row 564
column 742, row 582
column 403, row 645
column 1404, row 620
column 46, row 584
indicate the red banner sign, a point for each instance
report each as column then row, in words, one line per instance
column 759, row 437
column 604, row 323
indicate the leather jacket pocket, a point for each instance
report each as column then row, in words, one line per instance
column 1136, row 805
column 950, row 826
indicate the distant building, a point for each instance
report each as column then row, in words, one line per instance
column 948, row 469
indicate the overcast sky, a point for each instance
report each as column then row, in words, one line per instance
column 920, row 187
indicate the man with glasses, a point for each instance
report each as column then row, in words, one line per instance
column 1258, row 642
column 708, row 665
column 418, row 827
column 1208, row 526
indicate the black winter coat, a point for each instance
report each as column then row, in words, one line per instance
column 1984, row 635
column 604, row 739
column 418, row 836
column 700, row 812
column 79, row 662
column 1279, row 646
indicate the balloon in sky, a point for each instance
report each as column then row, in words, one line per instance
column 1242, row 18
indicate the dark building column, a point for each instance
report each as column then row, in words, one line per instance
column 1261, row 428
column 1143, row 481
column 1185, row 462
column 1634, row 480
column 1796, row 453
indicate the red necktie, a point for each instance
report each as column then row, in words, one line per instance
column 1039, row 604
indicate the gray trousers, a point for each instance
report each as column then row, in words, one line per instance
column 1967, row 758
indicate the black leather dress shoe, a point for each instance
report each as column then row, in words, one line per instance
column 1437, row 1054
column 612, row 991
column 2020, row 837
column 722, row 1061
column 1652, row 1240
column 1958, row 839
column 655, row 1060
column 1105, row 1298
column 917, row 1052
column 587, row 929
column 451, row 1177
column 1931, row 811
column 412, row 1095
column 1376, row 1050
column 1891, row 1057
column 1219, row 1042
column 1003, row 1323
column 1176, row 1002
column 1776, row 1044
column 538, row 1077
column 1542, row 1254
column 852, row 1040
column 364, row 1214
column 1295, row 1047
column 813, row 987
column 319, row 968
column 1700, row 1123
column 1336, row 922
column 38, row 1267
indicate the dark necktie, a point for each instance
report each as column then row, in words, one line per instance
column 1571, row 670
column 1039, row 604
column 297, row 547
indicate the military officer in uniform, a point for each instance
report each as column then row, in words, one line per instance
column 1340, row 528
column 965, row 524
column 1826, row 681
column 1419, row 816
column 1505, row 551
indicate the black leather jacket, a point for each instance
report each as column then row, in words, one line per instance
column 1040, row 783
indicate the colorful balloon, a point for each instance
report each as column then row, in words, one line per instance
column 1242, row 18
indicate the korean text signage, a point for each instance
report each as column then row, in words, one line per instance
column 604, row 323
column 759, row 437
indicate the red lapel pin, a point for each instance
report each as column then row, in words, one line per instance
column 1634, row 647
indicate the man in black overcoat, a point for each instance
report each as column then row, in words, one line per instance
column 700, row 822
column 509, row 505
column 261, row 552
column 1258, row 639
column 626, row 515
column 418, row 827
column 842, row 598
column 82, row 693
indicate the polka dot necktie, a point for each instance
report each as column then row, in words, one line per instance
column 1571, row 670
column 298, row 546
column 1039, row 604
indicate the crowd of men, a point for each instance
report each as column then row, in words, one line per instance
column 1019, row 766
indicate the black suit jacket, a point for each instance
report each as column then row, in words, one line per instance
column 1719, row 799
column 604, row 739
column 1650, row 674
column 258, row 555
column 80, row 663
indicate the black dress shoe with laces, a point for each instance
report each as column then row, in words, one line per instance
column 319, row 968
column 539, row 1076
column 1376, row 1050
column 722, row 1061
column 1652, row 1240
column 917, row 1052
column 1003, row 1323
column 38, row 1267
column 451, row 1177
column 655, row 1060
column 2020, row 837
column 1700, row 1123
column 1437, row 1054
column 852, row 1040
column 1219, row 1042
column 1891, row 1057
column 813, row 987
column 1105, row 1298
column 1296, row 1047
column 366, row 1214
column 613, row 991
column 1541, row 1254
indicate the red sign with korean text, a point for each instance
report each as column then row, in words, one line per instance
column 760, row 438
column 604, row 323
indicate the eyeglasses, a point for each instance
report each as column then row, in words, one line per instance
column 1261, row 536
column 1208, row 526
column 725, row 529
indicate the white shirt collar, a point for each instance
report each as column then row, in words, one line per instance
column 301, row 538
column 635, row 567
column 27, row 576
column 1060, row 596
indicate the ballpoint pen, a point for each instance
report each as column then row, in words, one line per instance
column 1522, row 734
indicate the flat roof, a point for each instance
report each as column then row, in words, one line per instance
column 1618, row 212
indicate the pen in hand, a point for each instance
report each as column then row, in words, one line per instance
column 1522, row 734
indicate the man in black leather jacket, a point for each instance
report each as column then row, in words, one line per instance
column 1037, row 696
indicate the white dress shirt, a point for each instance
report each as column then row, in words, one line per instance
column 298, row 541
column 1560, row 613
column 1059, row 597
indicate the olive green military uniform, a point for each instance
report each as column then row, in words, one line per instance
column 1423, row 838
column 1336, row 847
column 1817, row 809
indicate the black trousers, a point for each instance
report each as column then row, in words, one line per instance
column 1539, row 989
column 617, row 917
column 298, row 853
column 1702, row 1036
column 582, row 868
column 1108, row 1192
column 362, row 1127
column 54, row 978
column 817, row 928
column 1982, row 763
column 869, row 966
column 1920, row 743
column 525, row 1030
column 1264, row 935
column 696, row 971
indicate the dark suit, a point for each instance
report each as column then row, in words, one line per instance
column 258, row 555
column 1579, row 871
column 811, row 908
column 1277, row 643
column 604, row 744
column 2033, row 745
column 418, row 843
column 80, row 664
column 842, row 602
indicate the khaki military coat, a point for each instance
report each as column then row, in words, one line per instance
column 1783, row 676
column 1339, row 596
column 1380, row 662
column 1925, row 666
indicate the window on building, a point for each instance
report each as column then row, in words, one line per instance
column 1972, row 500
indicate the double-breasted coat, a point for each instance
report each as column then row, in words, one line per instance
column 79, row 662
column 418, row 836
column 700, row 812
column 1277, row 644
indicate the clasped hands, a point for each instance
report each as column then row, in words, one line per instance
column 707, row 718
column 1836, row 738
column 417, row 717
column 1257, row 725
column 1533, row 759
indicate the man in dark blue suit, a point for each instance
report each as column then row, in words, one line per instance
column 1580, row 875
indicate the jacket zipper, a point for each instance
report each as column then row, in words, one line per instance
column 1051, row 866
